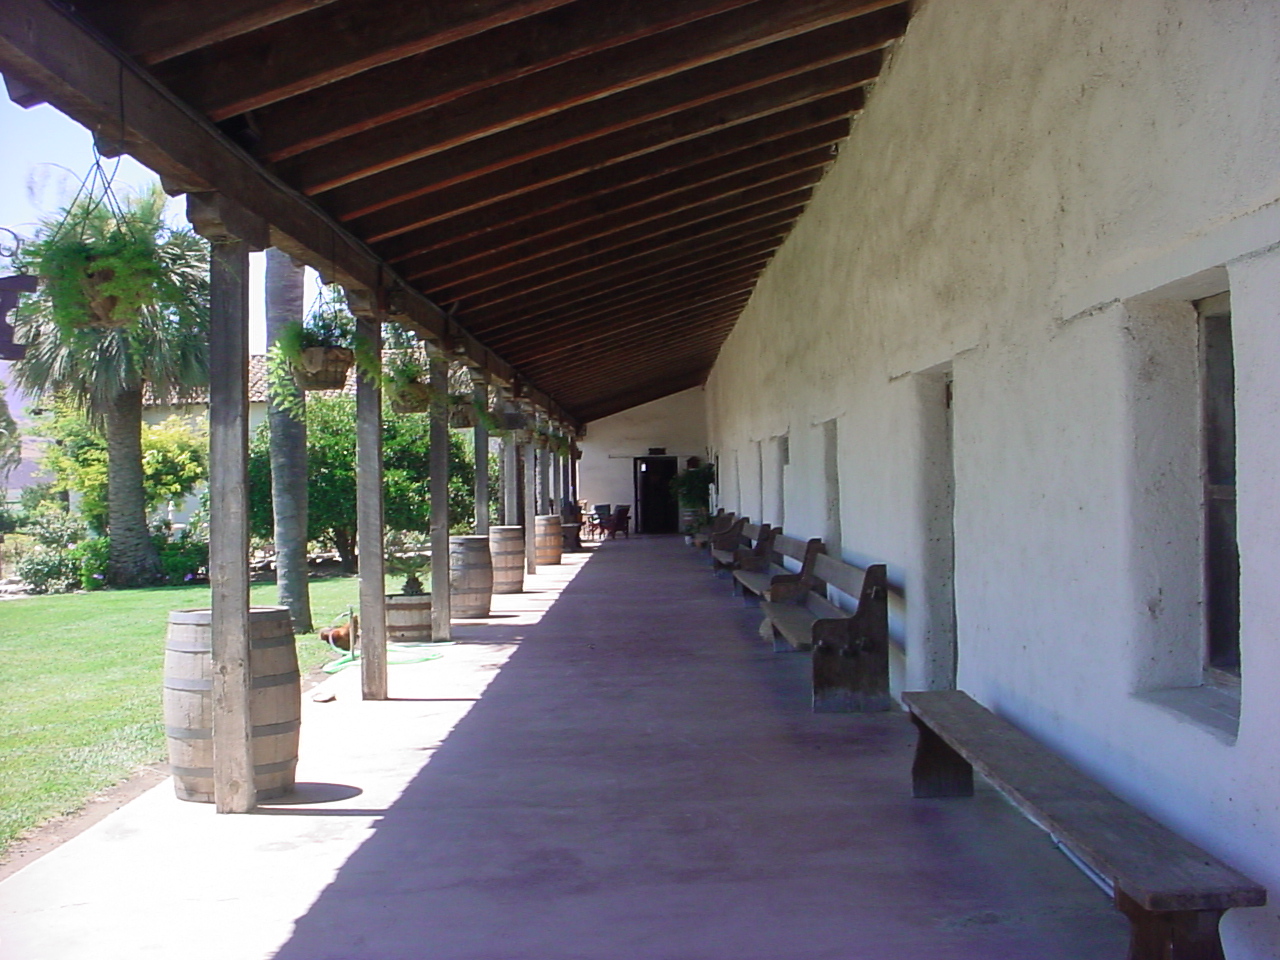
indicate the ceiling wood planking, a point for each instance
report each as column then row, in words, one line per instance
column 337, row 40
column 153, row 32
column 596, row 172
column 642, row 243
column 583, row 330
column 502, row 249
column 539, row 145
column 683, row 280
column 689, row 254
column 513, row 223
column 615, row 88
column 592, row 188
column 400, row 89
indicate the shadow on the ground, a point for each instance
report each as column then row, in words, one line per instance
column 643, row 779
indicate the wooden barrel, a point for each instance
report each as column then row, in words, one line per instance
column 506, row 550
column 470, row 576
column 409, row 618
column 547, row 539
column 275, row 702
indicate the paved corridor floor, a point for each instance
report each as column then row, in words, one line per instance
column 613, row 766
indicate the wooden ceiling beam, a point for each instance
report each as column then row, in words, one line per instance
column 730, row 282
column 643, row 244
column 554, row 336
column 499, row 249
column 335, row 41
column 629, row 382
column 625, row 184
column 615, row 372
column 484, row 202
column 152, row 31
column 538, row 149
column 397, row 90
column 677, row 256
column 58, row 61
column 634, row 290
column 611, row 89
column 638, row 331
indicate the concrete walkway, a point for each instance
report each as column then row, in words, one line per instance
column 613, row 767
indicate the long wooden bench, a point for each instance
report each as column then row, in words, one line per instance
column 767, row 576
column 1173, row 892
column 717, row 525
column 850, row 651
column 752, row 540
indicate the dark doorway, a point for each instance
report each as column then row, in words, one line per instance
column 656, row 507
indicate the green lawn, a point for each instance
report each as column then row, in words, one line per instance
column 80, row 697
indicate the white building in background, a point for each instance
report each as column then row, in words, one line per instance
column 1002, row 352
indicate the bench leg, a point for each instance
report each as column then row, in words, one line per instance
column 1171, row 935
column 850, row 673
column 938, row 771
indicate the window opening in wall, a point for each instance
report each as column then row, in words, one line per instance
column 1222, row 554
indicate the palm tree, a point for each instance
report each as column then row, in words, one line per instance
column 163, row 351
column 284, row 285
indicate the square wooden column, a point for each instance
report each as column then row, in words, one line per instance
column 530, row 510
column 510, row 481
column 480, row 397
column 441, row 609
column 369, row 508
column 226, row 229
column 544, row 476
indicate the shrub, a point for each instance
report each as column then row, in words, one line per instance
column 92, row 556
column 49, row 570
column 182, row 559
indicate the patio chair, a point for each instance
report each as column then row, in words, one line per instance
column 619, row 521
column 600, row 513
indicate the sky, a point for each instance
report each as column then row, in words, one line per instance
column 44, row 156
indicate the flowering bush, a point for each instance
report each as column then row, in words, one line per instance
column 49, row 570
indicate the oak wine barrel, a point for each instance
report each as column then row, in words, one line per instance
column 408, row 618
column 548, row 541
column 275, row 702
column 506, row 550
column 470, row 576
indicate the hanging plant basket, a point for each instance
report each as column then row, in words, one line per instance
column 411, row 397
column 104, row 308
column 462, row 416
column 323, row 368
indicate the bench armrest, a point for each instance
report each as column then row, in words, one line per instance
column 788, row 586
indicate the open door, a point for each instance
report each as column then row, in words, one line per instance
column 656, row 507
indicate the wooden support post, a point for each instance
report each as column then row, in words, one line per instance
column 567, row 495
column 510, row 481
column 530, row 511
column 938, row 770
column 544, row 476
column 233, row 785
column 481, row 401
column 441, row 611
column 369, row 513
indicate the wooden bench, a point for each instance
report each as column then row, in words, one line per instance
column 850, row 651
column 752, row 540
column 1173, row 892
column 767, row 577
column 717, row 525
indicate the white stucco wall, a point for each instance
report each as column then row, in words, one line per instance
column 1033, row 196
column 677, row 422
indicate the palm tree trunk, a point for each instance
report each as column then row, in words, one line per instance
column 133, row 560
column 288, row 452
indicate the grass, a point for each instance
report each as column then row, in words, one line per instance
column 80, row 689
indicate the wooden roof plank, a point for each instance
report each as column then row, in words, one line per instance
column 611, row 89
column 565, row 232
column 642, row 245
column 516, row 193
column 400, row 89
column 156, row 30
column 607, row 142
column 337, row 40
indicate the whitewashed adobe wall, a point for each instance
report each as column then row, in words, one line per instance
column 1033, row 197
column 677, row 422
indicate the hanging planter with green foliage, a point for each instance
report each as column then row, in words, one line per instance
column 97, row 279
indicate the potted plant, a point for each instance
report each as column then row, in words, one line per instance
column 409, row 611
column 692, row 489
column 317, row 352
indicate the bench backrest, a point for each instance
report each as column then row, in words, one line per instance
column 849, row 579
column 802, row 551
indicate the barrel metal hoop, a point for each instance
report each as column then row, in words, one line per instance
column 274, row 680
